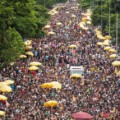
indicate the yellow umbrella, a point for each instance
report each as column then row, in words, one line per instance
column 28, row 42
column 22, row 56
column 9, row 82
column 28, row 47
column 116, row 63
column 47, row 85
column 105, row 43
column 84, row 19
column 108, row 37
column 113, row 56
column 33, row 68
column 89, row 22
column 29, row 53
column 56, row 85
column 100, row 43
column 112, row 50
column 51, row 103
column 59, row 23
column 5, row 89
column 118, row 73
column 51, row 33
column 107, row 48
column 73, row 16
column 47, row 26
column 2, row 97
column 35, row 64
column 76, row 76
column 72, row 46
column 2, row 113
column 67, row 12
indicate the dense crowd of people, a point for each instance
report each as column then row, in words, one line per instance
column 97, row 93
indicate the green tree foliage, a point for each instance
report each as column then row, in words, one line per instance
column 101, row 14
column 20, row 19
column 11, row 46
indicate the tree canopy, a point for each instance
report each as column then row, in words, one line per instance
column 21, row 19
column 100, row 14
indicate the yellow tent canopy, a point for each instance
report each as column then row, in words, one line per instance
column 108, row 37
column 28, row 47
column 47, row 85
column 67, row 12
column 89, row 22
column 56, row 85
column 51, row 103
column 47, row 26
column 72, row 46
column 116, row 63
column 59, row 23
column 113, row 56
column 33, row 68
column 35, row 64
column 2, row 97
column 112, row 50
column 107, row 48
column 2, row 113
column 100, row 43
column 28, row 42
column 22, row 56
column 29, row 53
column 5, row 88
column 76, row 76
column 9, row 82
column 51, row 33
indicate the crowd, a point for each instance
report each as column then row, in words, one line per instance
column 97, row 93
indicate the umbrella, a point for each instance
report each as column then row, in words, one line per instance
column 108, row 37
column 89, row 22
column 59, row 23
column 118, row 73
column 47, row 85
column 35, row 64
column 2, row 97
column 51, row 33
column 112, row 50
column 73, row 16
column 22, row 56
column 82, row 116
column 2, row 113
column 9, row 82
column 28, row 42
column 28, row 47
column 29, row 53
column 100, row 43
column 116, row 63
column 56, row 85
column 33, row 68
column 5, row 88
column 67, row 12
column 51, row 103
column 47, row 26
column 76, row 76
column 84, row 19
column 107, row 48
column 106, row 42
column 113, row 56
column 72, row 46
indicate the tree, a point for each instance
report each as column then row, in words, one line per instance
column 11, row 46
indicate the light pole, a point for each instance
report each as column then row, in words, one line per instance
column 109, row 17
column 101, row 15
column 44, row 3
column 117, row 32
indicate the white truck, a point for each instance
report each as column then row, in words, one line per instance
column 77, row 69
